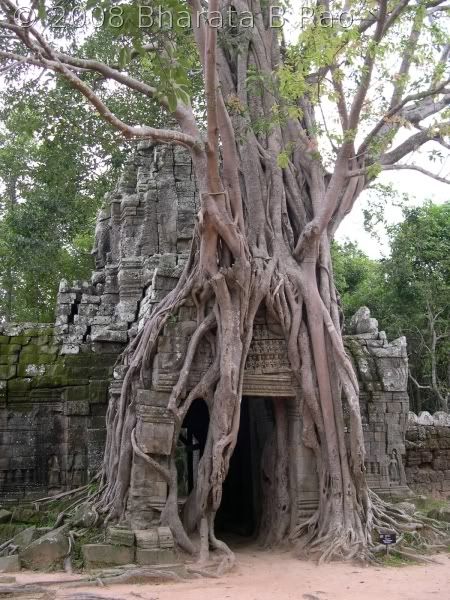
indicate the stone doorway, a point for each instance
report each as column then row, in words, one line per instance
column 239, row 515
column 240, row 511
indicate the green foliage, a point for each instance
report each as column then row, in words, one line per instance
column 418, row 280
column 407, row 291
column 359, row 279
column 57, row 160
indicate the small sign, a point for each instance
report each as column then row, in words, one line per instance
column 388, row 538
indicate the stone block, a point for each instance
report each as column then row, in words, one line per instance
column 88, row 299
column 23, row 340
column 67, row 298
column 8, row 359
column 9, row 564
column 165, row 537
column 7, row 371
column 154, row 557
column 154, row 430
column 30, row 370
column 70, row 349
column 120, row 536
column 24, row 537
column 101, row 555
column 76, row 407
column 47, row 551
column 102, row 334
column 10, row 348
column 5, row 515
column 147, row 539
column 98, row 390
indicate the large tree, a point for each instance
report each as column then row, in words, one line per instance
column 276, row 180
column 418, row 291
column 57, row 160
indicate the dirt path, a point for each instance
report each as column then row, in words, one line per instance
column 279, row 576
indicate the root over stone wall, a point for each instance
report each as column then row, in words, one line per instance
column 54, row 379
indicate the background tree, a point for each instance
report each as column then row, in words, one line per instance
column 359, row 280
column 409, row 293
column 269, row 210
column 57, row 161
column 418, row 292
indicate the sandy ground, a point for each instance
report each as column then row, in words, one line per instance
column 278, row 576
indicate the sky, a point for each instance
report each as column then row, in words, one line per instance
column 419, row 189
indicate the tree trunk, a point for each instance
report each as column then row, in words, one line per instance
column 263, row 239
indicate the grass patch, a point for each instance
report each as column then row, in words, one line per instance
column 393, row 559
column 91, row 536
column 427, row 503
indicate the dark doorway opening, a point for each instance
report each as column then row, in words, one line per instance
column 239, row 514
column 191, row 445
column 240, row 511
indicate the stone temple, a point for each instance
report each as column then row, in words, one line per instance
column 57, row 379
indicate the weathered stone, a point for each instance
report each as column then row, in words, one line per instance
column 84, row 516
column 47, row 551
column 441, row 514
column 5, row 515
column 9, row 564
column 24, row 538
column 120, row 536
column 425, row 418
column 165, row 537
column 99, row 555
column 102, row 334
column 408, row 507
column 154, row 557
column 147, row 539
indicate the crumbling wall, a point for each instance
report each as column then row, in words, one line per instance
column 382, row 369
column 52, row 412
column 428, row 453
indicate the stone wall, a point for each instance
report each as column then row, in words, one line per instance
column 382, row 369
column 428, row 453
column 52, row 409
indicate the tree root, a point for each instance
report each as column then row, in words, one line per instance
column 17, row 591
column 138, row 575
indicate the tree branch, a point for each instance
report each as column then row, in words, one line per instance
column 410, row 145
column 406, row 59
column 422, row 110
column 46, row 56
column 400, row 167
column 367, row 68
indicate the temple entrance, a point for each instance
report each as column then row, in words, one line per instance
column 239, row 514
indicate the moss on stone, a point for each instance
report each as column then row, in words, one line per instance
column 10, row 349
column 23, row 340
column 8, row 359
column 7, row 371
column 39, row 331
column 19, row 385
